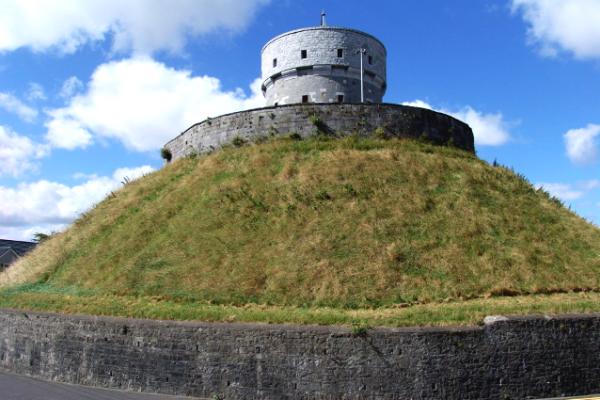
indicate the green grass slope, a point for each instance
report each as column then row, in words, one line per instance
column 345, row 224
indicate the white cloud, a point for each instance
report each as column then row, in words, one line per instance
column 561, row 190
column 35, row 92
column 27, row 233
column 589, row 185
column 143, row 103
column 18, row 153
column 70, row 87
column 48, row 206
column 139, row 25
column 418, row 103
column 488, row 129
column 568, row 192
column 10, row 103
column 563, row 25
column 582, row 144
column 66, row 133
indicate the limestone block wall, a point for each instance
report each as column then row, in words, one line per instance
column 333, row 119
column 514, row 358
column 325, row 52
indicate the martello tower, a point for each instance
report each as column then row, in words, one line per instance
column 321, row 80
column 323, row 64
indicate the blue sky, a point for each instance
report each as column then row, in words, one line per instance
column 90, row 90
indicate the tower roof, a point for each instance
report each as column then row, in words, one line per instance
column 324, row 28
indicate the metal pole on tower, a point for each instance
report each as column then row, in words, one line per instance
column 362, row 75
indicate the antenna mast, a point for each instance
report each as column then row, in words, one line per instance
column 323, row 20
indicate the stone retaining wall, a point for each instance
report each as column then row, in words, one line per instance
column 516, row 358
column 330, row 119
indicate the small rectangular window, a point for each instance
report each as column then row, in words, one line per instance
column 274, row 62
column 340, row 53
column 340, row 98
column 305, row 98
column 303, row 54
column 370, row 59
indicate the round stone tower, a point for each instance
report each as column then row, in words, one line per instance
column 326, row 68
column 323, row 65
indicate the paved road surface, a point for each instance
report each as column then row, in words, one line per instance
column 17, row 387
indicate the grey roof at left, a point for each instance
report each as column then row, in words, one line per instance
column 21, row 248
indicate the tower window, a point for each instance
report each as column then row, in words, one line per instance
column 303, row 54
column 305, row 98
column 370, row 59
column 274, row 62
column 340, row 53
column 340, row 98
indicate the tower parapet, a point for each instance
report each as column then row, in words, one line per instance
column 323, row 65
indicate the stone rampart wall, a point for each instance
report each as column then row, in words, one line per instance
column 514, row 358
column 331, row 119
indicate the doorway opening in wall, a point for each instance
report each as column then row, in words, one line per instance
column 340, row 98
column 303, row 54
column 305, row 98
column 274, row 62
column 275, row 104
column 340, row 53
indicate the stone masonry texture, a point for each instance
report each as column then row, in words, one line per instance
column 330, row 67
column 330, row 119
column 507, row 358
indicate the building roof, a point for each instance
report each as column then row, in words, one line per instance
column 323, row 28
column 7, row 256
column 21, row 248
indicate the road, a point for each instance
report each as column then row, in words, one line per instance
column 17, row 387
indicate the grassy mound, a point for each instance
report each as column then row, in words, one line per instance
column 346, row 224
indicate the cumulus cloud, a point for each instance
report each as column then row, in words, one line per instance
column 70, row 87
column 569, row 192
column 563, row 191
column 11, row 104
column 35, row 92
column 488, row 129
column 45, row 206
column 142, row 103
column 562, row 25
column 18, row 153
column 140, row 26
column 582, row 144
column 66, row 133
column 418, row 103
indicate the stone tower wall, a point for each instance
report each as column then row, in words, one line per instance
column 324, row 74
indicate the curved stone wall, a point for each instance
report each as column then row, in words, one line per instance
column 392, row 120
column 328, row 61
column 507, row 358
